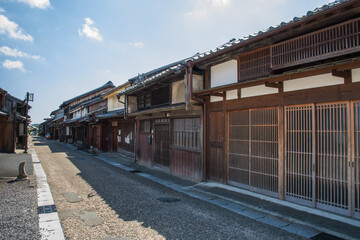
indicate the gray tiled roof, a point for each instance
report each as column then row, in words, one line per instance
column 151, row 76
column 106, row 85
column 234, row 41
column 111, row 114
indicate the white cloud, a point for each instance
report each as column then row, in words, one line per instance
column 138, row 44
column 203, row 9
column 13, row 65
column 89, row 31
column 16, row 53
column 2, row 10
column 13, row 30
column 36, row 3
column 220, row 3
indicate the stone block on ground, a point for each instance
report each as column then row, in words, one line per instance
column 72, row 197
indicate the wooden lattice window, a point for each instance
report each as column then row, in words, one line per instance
column 145, row 126
column 144, row 101
column 333, row 41
column 254, row 64
column 186, row 133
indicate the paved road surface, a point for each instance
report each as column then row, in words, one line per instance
column 98, row 201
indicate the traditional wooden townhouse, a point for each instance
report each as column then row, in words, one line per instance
column 76, row 114
column 54, row 126
column 12, row 122
column 119, row 133
column 97, row 107
column 169, row 125
column 282, row 110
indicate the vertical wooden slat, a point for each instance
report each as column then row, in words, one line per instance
column 350, row 160
column 313, row 153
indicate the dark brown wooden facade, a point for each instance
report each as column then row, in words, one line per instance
column 118, row 135
column 287, row 127
column 169, row 131
column 12, row 122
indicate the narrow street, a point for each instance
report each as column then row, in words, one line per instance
column 98, row 201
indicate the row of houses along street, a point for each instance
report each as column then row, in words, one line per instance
column 276, row 113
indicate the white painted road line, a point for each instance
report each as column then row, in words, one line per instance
column 49, row 223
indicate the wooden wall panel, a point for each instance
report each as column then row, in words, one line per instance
column 144, row 149
column 6, row 137
column 186, row 164
column 127, row 131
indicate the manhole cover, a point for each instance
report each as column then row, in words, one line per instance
column 168, row 200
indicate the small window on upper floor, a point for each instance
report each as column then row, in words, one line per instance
column 254, row 64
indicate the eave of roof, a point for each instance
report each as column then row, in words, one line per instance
column 272, row 30
column 110, row 92
column 143, row 80
column 106, row 85
column 111, row 114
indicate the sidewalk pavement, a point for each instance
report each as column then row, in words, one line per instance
column 9, row 164
column 304, row 221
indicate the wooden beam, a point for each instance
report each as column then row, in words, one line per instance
column 217, row 94
column 277, row 85
column 341, row 74
column 279, row 78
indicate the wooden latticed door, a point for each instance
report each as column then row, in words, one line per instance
column 322, row 156
column 253, row 150
column 356, row 161
column 162, row 142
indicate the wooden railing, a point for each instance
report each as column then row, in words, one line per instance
column 330, row 42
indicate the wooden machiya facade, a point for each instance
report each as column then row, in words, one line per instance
column 79, row 112
column 12, row 122
column 169, row 125
column 119, row 133
column 283, row 111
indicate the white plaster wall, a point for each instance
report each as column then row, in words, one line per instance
column 355, row 73
column 114, row 104
column 215, row 99
column 312, row 82
column 178, row 92
column 198, row 83
column 233, row 94
column 257, row 91
column 132, row 104
column 224, row 73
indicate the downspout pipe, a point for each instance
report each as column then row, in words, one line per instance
column 189, row 69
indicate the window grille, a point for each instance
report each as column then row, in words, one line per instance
column 186, row 133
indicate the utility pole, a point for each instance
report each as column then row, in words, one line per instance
column 29, row 97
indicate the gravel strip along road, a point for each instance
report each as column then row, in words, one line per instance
column 98, row 201
column 18, row 211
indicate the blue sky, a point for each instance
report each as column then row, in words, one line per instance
column 59, row 49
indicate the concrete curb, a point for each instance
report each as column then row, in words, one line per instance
column 49, row 223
